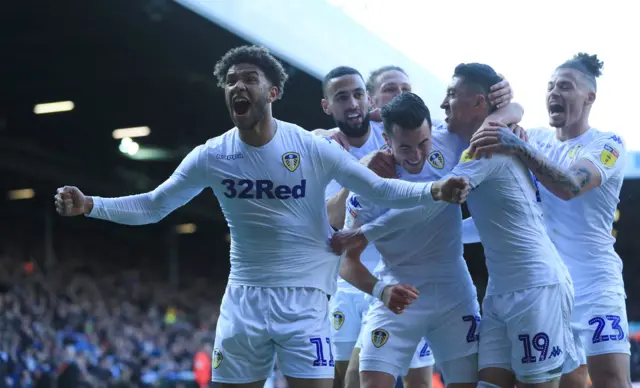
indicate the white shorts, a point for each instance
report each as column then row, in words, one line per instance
column 600, row 326
column 389, row 340
column 258, row 323
column 528, row 332
column 423, row 357
column 347, row 310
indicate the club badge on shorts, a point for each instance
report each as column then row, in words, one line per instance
column 217, row 358
column 338, row 320
column 609, row 155
column 379, row 337
column 291, row 160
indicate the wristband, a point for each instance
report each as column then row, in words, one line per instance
column 378, row 289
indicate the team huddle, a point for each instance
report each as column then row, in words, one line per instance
column 369, row 214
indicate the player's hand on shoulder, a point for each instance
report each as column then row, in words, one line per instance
column 348, row 239
column 495, row 138
column 453, row 189
column 69, row 201
column 398, row 297
column 381, row 162
column 334, row 134
column 501, row 93
column 375, row 115
column 520, row 132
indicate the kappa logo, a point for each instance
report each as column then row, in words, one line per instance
column 436, row 159
column 609, row 155
column 379, row 337
column 338, row 320
column 291, row 160
column 216, row 360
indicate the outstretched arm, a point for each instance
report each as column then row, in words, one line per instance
column 348, row 172
column 185, row 183
column 597, row 161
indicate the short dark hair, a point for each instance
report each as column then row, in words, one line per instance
column 589, row 65
column 255, row 55
column 478, row 75
column 406, row 110
column 338, row 72
column 372, row 81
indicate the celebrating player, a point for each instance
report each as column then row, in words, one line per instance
column 346, row 99
column 581, row 170
column 529, row 298
column 427, row 255
column 269, row 177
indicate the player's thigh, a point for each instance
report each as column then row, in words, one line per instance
column 601, row 320
column 539, row 330
column 456, row 336
column 389, row 340
column 610, row 370
column 420, row 377
column 352, row 377
column 346, row 322
column 243, row 351
column 300, row 327
column 309, row 383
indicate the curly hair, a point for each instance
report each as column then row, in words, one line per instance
column 255, row 55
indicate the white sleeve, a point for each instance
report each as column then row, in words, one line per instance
column 476, row 170
column 394, row 220
column 470, row 233
column 338, row 164
column 185, row 183
column 608, row 153
column 359, row 211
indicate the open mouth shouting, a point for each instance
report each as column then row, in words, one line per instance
column 240, row 105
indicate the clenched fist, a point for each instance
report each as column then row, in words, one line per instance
column 453, row 189
column 70, row 201
column 398, row 297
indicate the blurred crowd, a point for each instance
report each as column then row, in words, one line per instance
column 93, row 324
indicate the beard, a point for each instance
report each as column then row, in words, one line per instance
column 358, row 131
column 255, row 114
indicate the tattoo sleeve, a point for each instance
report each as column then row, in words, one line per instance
column 564, row 184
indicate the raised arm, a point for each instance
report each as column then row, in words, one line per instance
column 392, row 193
column 185, row 183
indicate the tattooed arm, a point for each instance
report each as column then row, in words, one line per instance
column 587, row 172
column 580, row 177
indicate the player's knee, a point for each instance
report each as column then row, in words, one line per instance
column 418, row 378
column 577, row 378
column 377, row 373
column 611, row 379
column 375, row 379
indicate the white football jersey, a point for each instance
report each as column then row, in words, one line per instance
column 416, row 246
column 504, row 205
column 581, row 228
column 370, row 255
column 273, row 200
